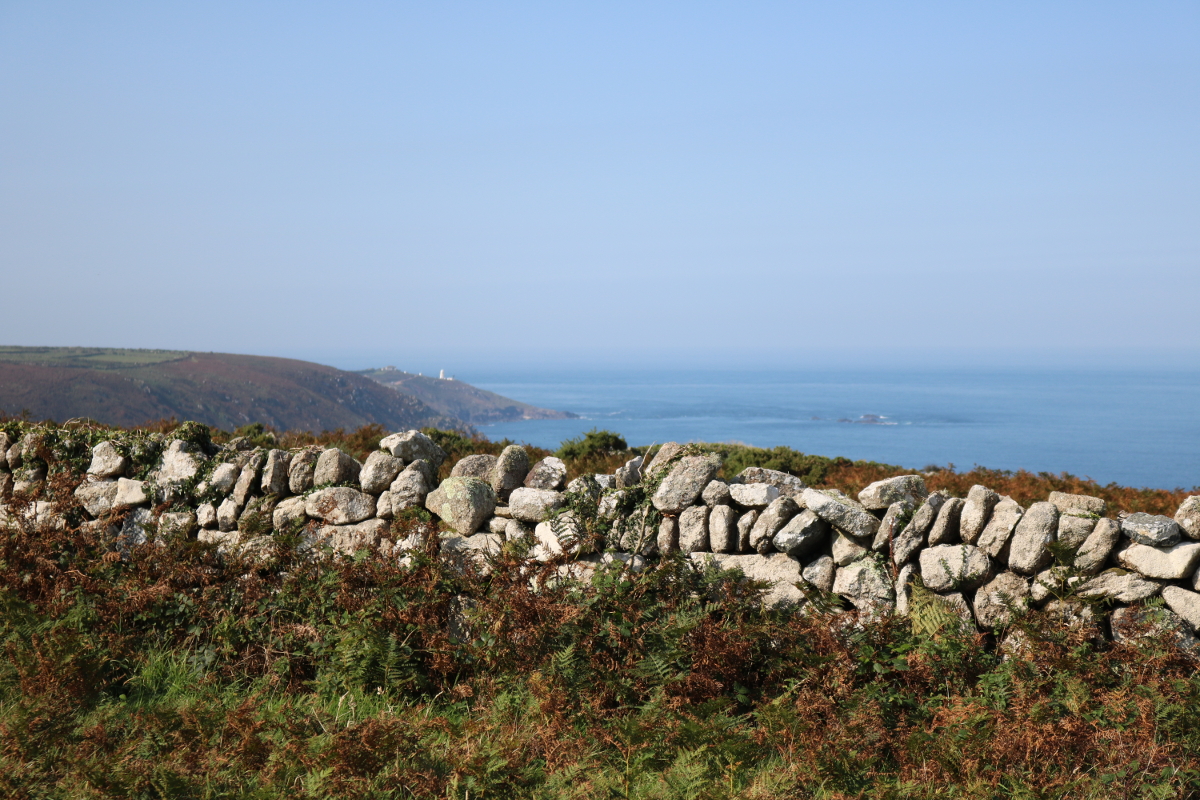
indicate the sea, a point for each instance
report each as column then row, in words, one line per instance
column 1132, row 427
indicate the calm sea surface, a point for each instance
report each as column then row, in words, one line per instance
column 1135, row 428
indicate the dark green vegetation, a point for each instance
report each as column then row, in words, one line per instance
column 133, row 387
column 460, row 400
column 175, row 671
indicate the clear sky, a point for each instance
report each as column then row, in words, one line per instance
column 447, row 184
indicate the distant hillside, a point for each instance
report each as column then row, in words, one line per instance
column 131, row 387
column 461, row 400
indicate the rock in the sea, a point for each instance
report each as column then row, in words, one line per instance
column 534, row 505
column 1151, row 529
column 684, row 483
column 770, row 522
column 854, row 522
column 340, row 505
column 411, row 445
column 912, row 538
column 463, row 503
column 302, row 469
column 276, row 472
column 1028, row 551
column 549, row 473
column 693, row 530
column 722, row 529
column 954, row 567
column 788, row 485
column 97, row 496
column 753, row 495
column 820, row 573
column 1000, row 598
column 1188, row 517
column 1078, row 504
column 510, row 470
column 1097, row 547
column 998, row 532
column 976, row 512
column 867, row 585
column 945, row 528
column 1173, row 563
column 716, row 494
column 378, row 472
column 1122, row 586
column 904, row 488
column 802, row 535
column 779, row 571
column 107, row 461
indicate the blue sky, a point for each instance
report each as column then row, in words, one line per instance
column 430, row 184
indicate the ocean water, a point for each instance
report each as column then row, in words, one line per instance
column 1139, row 428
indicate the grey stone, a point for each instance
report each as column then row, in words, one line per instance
column 224, row 478
column 951, row 567
column 630, row 474
column 1128, row 625
column 135, row 530
column 335, row 467
column 410, row 488
column 130, row 493
column 685, row 481
column 257, row 517
column 479, row 466
column 976, row 512
column 6, row 442
column 903, row 588
column 693, row 530
column 770, row 522
column 1184, row 603
column 945, row 528
column 1096, row 548
column 248, row 479
column 288, row 513
column 107, row 461
column 497, row 525
column 510, row 470
column 556, row 537
column 912, row 538
column 777, row 570
column 1151, row 529
column 1172, row 563
column 846, row 550
column 340, row 505
column 996, row 535
column 1081, row 505
column 549, row 473
column 753, row 495
column 276, row 475
column 999, row 598
column 411, row 445
column 534, row 505
column 1053, row 581
column 428, row 470
column 13, row 456
column 802, row 535
column 1073, row 531
column 463, row 503
column 745, row 525
column 97, row 496
column 206, row 515
column 788, row 485
column 610, row 504
column 377, row 473
column 177, row 524
column 716, row 494
column 893, row 522
column 662, row 457
column 180, row 462
column 302, row 468
column 722, row 529
column 515, row 530
column 227, row 515
column 820, row 573
column 854, row 522
column 1188, row 517
column 668, row 535
column 348, row 539
column 881, row 494
column 867, row 585
column 1122, row 586
column 1028, row 551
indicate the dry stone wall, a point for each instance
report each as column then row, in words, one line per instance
column 985, row 556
